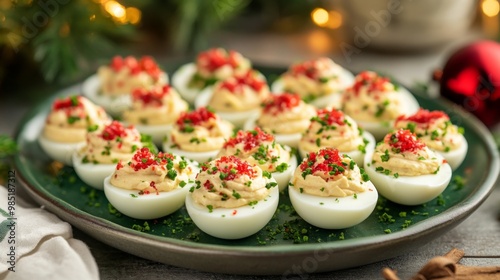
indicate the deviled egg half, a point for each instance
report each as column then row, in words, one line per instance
column 405, row 170
column 332, row 128
column 285, row 116
column 154, row 111
column 66, row 126
column 236, row 98
column 198, row 135
column 375, row 103
column 112, row 85
column 150, row 186
column 103, row 149
column 330, row 191
column 210, row 66
column 260, row 148
column 318, row 81
column 435, row 129
column 232, row 198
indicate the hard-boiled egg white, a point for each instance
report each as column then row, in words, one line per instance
column 114, row 105
column 196, row 156
column 92, row 174
column 181, row 79
column 59, row 151
column 357, row 155
column 282, row 178
column 379, row 129
column 157, row 132
column 238, row 119
column 333, row 100
column 291, row 140
column 233, row 223
column 146, row 206
column 409, row 190
column 334, row 212
column 457, row 156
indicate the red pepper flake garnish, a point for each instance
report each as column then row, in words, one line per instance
column 194, row 118
column 119, row 165
column 114, row 130
column 215, row 58
column 424, row 116
column 326, row 161
column 235, row 84
column 329, row 117
column 145, row 64
column 230, row 167
column 235, row 212
column 152, row 96
column 369, row 79
column 143, row 158
column 67, row 103
column 280, row 102
column 306, row 68
column 250, row 139
column 153, row 185
column 404, row 140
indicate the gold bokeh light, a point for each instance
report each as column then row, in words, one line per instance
column 490, row 8
column 320, row 16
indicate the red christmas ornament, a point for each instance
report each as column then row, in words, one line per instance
column 471, row 78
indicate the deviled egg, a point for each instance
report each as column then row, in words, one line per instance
column 154, row 111
column 318, row 81
column 66, row 126
column 236, row 98
column 285, row 116
column 198, row 135
column 332, row 128
column 210, row 66
column 232, row 198
column 150, row 186
column 112, row 85
column 375, row 103
column 330, row 191
column 405, row 170
column 435, row 129
column 260, row 148
column 103, row 149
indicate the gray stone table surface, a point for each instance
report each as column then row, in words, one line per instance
column 478, row 235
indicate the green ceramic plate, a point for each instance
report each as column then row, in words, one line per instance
column 287, row 244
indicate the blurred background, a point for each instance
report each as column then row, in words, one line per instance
column 46, row 45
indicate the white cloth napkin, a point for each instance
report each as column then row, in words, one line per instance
column 44, row 245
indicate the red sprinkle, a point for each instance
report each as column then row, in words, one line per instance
column 404, row 140
column 143, row 158
column 235, row 212
column 119, row 165
column 152, row 97
column 250, row 139
column 153, row 185
column 281, row 102
column 114, row 130
column 235, row 83
column 67, row 103
column 306, row 68
column 215, row 58
column 424, row 116
column 331, row 159
column 146, row 64
column 232, row 166
column 329, row 116
column 370, row 79
column 196, row 117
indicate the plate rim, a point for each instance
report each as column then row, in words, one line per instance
column 437, row 223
